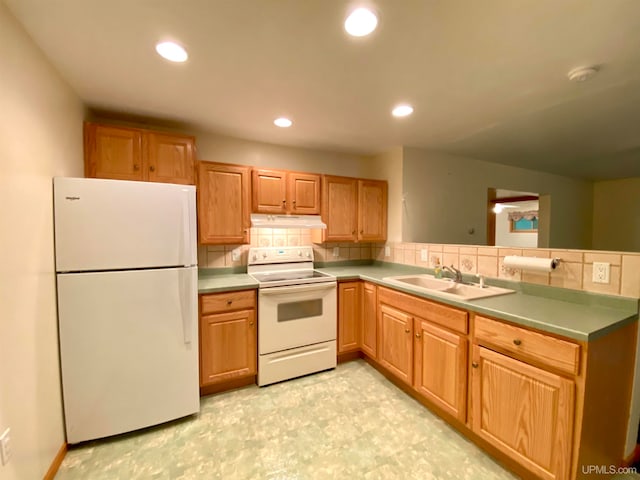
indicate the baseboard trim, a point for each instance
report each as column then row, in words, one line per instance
column 347, row 357
column 55, row 464
column 227, row 385
column 633, row 458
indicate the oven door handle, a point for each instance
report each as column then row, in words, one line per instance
column 297, row 288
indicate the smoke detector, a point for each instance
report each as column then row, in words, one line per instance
column 582, row 74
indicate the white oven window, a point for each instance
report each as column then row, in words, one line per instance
column 299, row 310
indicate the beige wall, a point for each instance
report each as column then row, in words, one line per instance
column 446, row 196
column 217, row 148
column 616, row 215
column 41, row 136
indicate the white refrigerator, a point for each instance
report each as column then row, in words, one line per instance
column 126, row 263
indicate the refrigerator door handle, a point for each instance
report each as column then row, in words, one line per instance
column 186, row 230
column 185, row 286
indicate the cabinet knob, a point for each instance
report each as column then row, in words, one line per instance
column 251, row 323
column 407, row 330
column 229, row 302
column 517, row 341
column 417, row 335
column 353, row 232
column 152, row 168
column 294, row 204
column 474, row 364
column 284, row 202
column 361, row 232
column 136, row 167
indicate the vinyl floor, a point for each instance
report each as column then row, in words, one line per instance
column 347, row 423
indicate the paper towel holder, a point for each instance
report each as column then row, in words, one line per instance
column 555, row 262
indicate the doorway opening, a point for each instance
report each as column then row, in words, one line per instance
column 513, row 218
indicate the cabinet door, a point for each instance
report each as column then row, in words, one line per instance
column 440, row 362
column 524, row 411
column 372, row 210
column 223, row 203
column 227, row 346
column 369, row 330
column 340, row 208
column 349, row 309
column 113, row 152
column 170, row 158
column 269, row 191
column 303, row 196
column 396, row 342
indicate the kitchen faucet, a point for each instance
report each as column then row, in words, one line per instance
column 455, row 272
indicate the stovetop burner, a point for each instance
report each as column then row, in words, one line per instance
column 284, row 266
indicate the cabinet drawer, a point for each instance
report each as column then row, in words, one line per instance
column 543, row 349
column 227, row 301
column 448, row 317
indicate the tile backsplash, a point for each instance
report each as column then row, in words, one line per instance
column 220, row 256
column 574, row 271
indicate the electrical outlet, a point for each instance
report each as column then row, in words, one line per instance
column 235, row 255
column 387, row 251
column 423, row 255
column 5, row 446
column 336, row 251
column 601, row 272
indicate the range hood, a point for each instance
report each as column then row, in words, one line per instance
column 260, row 220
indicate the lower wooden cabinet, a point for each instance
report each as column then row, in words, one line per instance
column 440, row 367
column 228, row 340
column 396, row 342
column 349, row 316
column 369, row 330
column 524, row 411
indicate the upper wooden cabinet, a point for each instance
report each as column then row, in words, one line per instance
column 372, row 210
column 223, row 203
column 354, row 209
column 124, row 153
column 281, row 191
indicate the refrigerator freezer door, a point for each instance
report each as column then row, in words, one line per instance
column 128, row 348
column 114, row 224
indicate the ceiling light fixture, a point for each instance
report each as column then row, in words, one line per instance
column 282, row 122
column 172, row 51
column 361, row 22
column 402, row 110
column 582, row 74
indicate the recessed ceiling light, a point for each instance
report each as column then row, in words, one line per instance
column 361, row 22
column 282, row 122
column 402, row 111
column 172, row 51
column 582, row 74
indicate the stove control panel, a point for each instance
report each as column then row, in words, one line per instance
column 267, row 255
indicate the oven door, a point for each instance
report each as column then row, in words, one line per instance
column 296, row 315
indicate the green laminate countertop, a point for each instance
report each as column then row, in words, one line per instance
column 577, row 315
column 223, row 280
column 573, row 314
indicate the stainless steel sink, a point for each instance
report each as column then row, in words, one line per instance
column 446, row 287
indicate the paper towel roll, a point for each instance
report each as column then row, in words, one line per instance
column 531, row 264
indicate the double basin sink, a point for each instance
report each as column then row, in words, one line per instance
column 446, row 287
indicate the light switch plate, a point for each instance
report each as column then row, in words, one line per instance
column 336, row 251
column 601, row 272
column 387, row 251
column 423, row 255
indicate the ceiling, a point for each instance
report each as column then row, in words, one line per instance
column 487, row 79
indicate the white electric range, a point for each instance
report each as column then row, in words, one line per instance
column 297, row 313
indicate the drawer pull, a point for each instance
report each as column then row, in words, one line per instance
column 406, row 330
column 474, row 364
column 517, row 341
column 229, row 302
column 417, row 335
